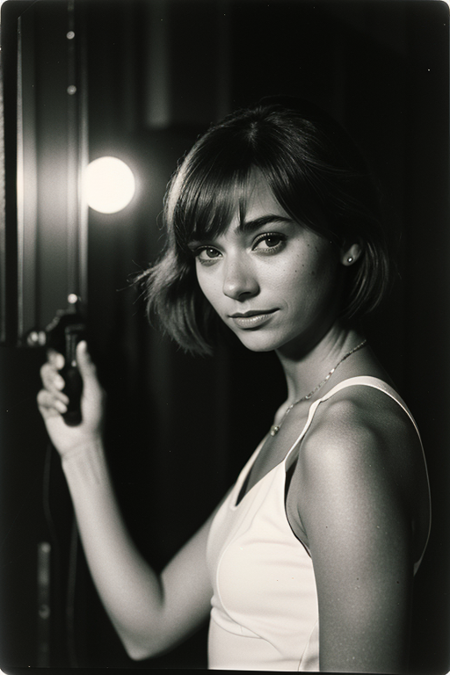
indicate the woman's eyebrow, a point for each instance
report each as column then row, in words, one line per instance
column 246, row 226
column 252, row 225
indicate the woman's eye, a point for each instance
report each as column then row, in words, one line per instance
column 207, row 255
column 269, row 243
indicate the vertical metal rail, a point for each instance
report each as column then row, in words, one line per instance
column 83, row 149
column 2, row 214
column 77, row 155
column 26, row 183
column 73, row 279
column 20, row 180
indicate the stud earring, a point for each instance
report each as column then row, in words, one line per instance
column 350, row 260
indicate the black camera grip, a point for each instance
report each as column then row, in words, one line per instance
column 73, row 389
column 71, row 375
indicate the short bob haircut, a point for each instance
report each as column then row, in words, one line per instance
column 316, row 174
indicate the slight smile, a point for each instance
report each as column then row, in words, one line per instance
column 253, row 318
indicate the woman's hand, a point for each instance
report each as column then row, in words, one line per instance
column 52, row 403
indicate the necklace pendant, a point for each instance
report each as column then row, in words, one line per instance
column 274, row 429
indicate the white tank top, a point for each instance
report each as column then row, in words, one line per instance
column 264, row 612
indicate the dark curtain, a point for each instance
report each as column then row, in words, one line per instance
column 179, row 427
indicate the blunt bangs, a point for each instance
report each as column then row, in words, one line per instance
column 314, row 171
column 209, row 198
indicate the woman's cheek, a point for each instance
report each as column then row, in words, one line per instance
column 207, row 286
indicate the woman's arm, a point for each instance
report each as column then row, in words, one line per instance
column 150, row 613
column 353, row 508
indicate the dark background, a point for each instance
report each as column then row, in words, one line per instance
column 179, row 428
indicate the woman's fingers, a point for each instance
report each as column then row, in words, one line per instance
column 51, row 405
column 88, row 372
column 85, row 363
column 51, row 379
column 53, row 402
column 55, row 359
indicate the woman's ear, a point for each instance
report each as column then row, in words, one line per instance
column 351, row 255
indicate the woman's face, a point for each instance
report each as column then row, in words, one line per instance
column 273, row 282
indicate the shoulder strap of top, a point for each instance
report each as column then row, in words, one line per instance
column 365, row 380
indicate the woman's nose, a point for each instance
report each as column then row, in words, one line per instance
column 239, row 280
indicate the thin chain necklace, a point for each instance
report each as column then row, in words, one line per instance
column 275, row 428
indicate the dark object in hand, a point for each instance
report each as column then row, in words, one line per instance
column 74, row 383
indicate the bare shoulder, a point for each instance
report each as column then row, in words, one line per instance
column 359, row 424
column 361, row 452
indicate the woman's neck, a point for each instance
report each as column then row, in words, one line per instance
column 305, row 369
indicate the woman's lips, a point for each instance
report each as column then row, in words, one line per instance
column 253, row 319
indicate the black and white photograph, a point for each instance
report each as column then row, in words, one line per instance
column 225, row 336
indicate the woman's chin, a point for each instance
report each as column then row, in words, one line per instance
column 257, row 341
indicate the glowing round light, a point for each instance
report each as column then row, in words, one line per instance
column 109, row 184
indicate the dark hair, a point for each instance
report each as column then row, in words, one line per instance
column 317, row 175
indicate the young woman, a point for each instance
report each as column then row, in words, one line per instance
column 308, row 563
